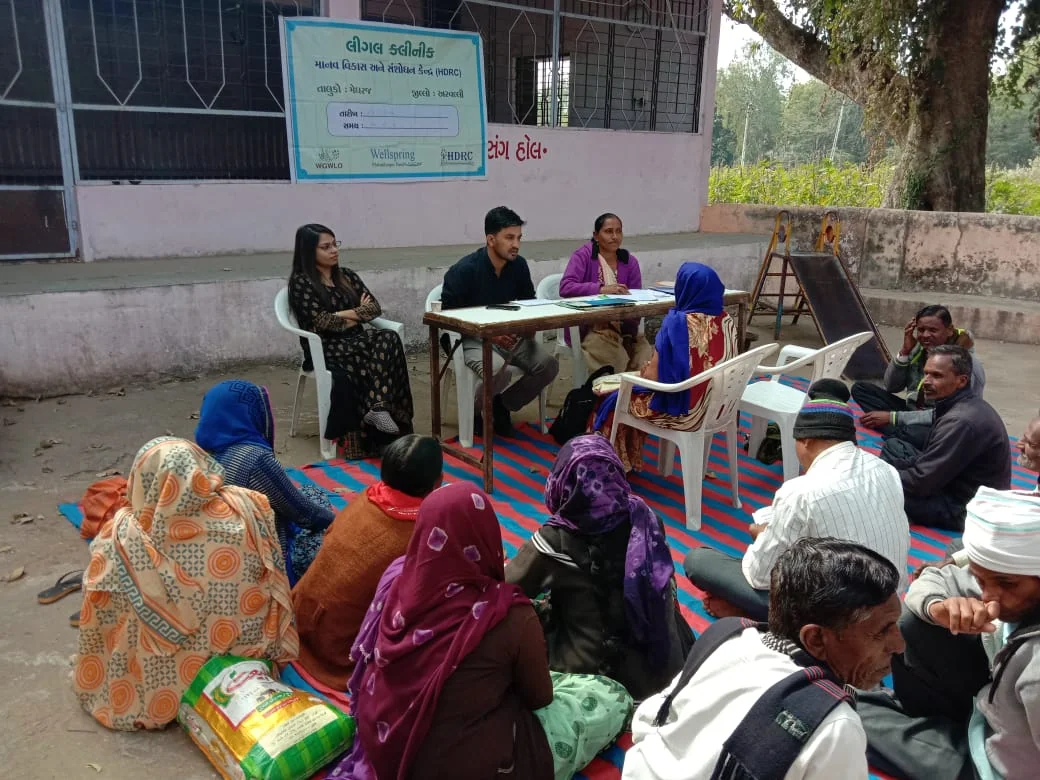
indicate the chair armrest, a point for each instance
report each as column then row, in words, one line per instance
column 385, row 324
column 783, row 368
column 633, row 379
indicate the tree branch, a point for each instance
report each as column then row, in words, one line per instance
column 859, row 74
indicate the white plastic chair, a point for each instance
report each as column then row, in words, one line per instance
column 771, row 400
column 321, row 375
column 727, row 381
column 467, row 382
column 549, row 290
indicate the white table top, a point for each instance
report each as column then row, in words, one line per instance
column 530, row 315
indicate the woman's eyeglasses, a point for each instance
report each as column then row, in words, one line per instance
column 326, row 247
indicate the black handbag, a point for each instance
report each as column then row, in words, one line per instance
column 578, row 406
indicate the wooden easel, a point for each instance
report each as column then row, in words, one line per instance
column 827, row 243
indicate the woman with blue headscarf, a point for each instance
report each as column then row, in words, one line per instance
column 236, row 427
column 696, row 335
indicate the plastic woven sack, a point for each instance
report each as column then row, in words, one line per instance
column 252, row 727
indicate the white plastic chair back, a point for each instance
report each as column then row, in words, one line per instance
column 549, row 290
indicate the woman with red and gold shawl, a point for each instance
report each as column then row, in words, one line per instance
column 695, row 335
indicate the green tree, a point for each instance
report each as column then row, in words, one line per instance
column 723, row 142
column 749, row 91
column 810, row 120
column 1009, row 142
column 921, row 68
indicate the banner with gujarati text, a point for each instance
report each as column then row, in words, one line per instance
column 383, row 102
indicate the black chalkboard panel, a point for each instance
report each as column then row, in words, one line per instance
column 839, row 310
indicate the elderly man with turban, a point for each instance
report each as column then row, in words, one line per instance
column 968, row 684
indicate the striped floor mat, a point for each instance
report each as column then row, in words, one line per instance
column 521, row 465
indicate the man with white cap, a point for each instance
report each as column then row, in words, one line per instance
column 968, row 684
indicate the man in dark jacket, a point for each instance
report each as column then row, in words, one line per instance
column 496, row 274
column 968, row 446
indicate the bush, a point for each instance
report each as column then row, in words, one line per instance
column 1014, row 191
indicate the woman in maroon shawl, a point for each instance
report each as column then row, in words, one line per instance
column 459, row 665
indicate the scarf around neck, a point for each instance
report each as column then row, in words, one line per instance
column 588, row 494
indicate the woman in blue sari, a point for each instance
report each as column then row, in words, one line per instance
column 695, row 335
column 236, row 427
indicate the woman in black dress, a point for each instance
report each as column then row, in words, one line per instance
column 371, row 396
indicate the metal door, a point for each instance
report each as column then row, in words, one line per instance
column 37, row 200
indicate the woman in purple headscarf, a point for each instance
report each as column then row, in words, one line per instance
column 604, row 560
column 696, row 335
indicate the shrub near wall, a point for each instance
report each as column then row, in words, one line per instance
column 1014, row 191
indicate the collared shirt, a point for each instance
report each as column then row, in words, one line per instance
column 847, row 493
column 472, row 281
column 708, row 710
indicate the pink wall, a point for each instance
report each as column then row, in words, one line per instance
column 657, row 180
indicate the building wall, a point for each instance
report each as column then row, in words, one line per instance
column 557, row 179
column 655, row 180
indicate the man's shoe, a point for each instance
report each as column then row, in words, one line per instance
column 503, row 420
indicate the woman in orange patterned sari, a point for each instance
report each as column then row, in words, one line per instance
column 696, row 335
column 191, row 569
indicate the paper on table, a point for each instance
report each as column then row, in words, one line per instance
column 534, row 302
column 642, row 295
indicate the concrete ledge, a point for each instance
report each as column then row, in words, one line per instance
column 999, row 319
column 85, row 326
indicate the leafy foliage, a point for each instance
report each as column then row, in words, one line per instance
column 1014, row 191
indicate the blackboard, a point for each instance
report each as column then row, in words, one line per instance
column 839, row 310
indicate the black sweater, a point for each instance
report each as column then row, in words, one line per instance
column 967, row 447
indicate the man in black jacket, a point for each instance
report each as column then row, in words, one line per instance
column 496, row 274
column 967, row 447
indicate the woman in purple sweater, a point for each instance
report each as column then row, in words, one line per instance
column 602, row 266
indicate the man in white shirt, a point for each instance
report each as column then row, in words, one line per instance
column 845, row 493
column 833, row 606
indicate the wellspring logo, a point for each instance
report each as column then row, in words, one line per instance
column 452, row 157
column 385, row 154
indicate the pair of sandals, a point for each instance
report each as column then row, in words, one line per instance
column 68, row 583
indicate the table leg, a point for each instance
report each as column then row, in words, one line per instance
column 489, row 431
column 435, row 383
column 742, row 323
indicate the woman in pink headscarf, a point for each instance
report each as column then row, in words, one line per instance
column 458, row 684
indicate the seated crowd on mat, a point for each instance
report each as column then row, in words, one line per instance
column 845, row 492
column 602, row 266
column 332, row 598
column 752, row 702
column 603, row 560
column 459, row 684
column 460, row 665
column 236, row 427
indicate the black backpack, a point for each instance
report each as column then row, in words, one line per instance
column 573, row 419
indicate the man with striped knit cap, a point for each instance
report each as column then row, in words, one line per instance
column 845, row 493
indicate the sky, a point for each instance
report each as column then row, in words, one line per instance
column 732, row 39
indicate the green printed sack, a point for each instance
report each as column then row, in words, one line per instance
column 252, row 727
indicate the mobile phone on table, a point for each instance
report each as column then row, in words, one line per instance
column 504, row 306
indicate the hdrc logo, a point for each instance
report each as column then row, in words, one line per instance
column 456, row 157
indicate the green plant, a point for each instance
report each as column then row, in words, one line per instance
column 1008, row 191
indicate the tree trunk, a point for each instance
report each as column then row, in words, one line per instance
column 943, row 163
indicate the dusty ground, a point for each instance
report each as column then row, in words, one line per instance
column 45, row 733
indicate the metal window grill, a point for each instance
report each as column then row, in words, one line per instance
column 625, row 64
column 178, row 89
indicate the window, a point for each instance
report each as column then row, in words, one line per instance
column 563, row 93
